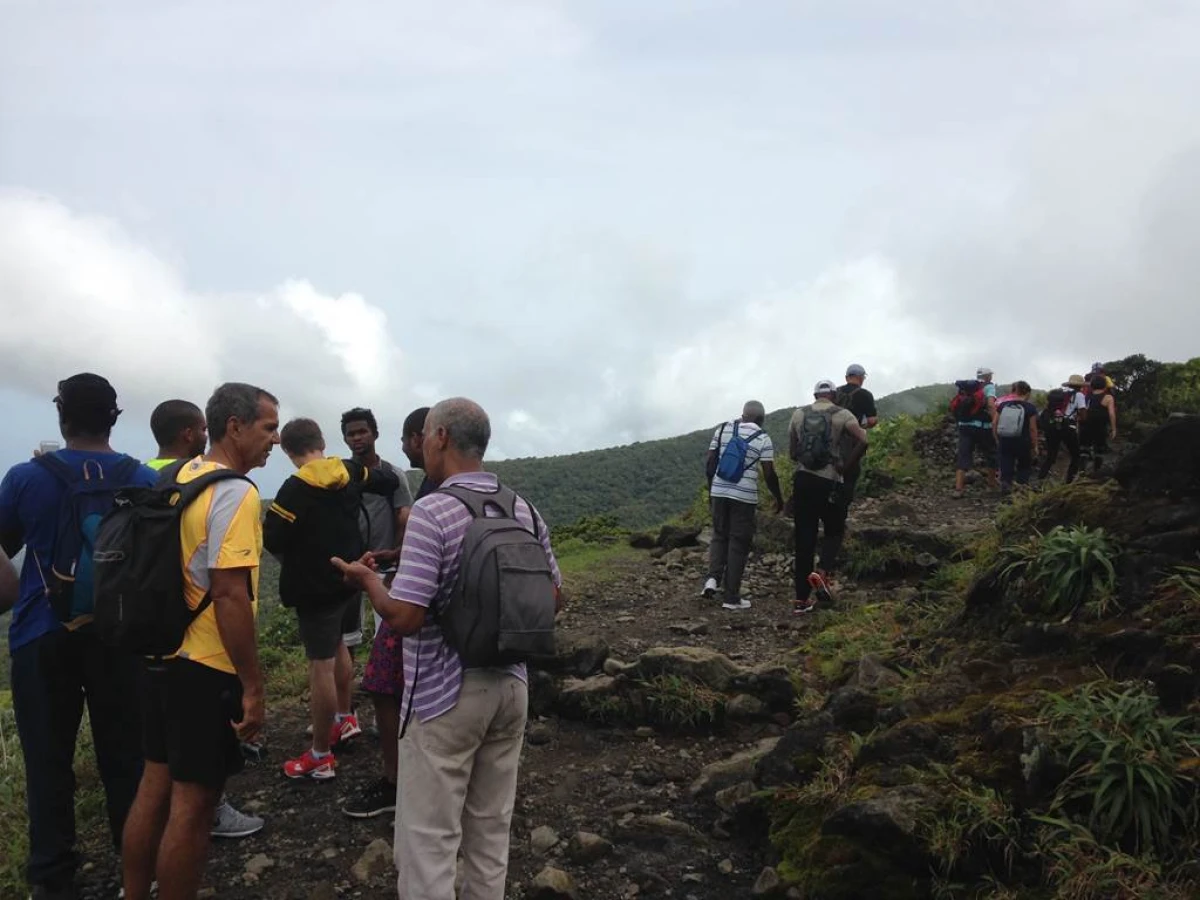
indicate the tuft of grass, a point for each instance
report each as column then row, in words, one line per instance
column 681, row 703
column 841, row 639
column 1082, row 503
column 977, row 821
column 1129, row 766
column 1079, row 867
column 892, row 558
column 1067, row 568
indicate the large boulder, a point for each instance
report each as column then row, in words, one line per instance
column 580, row 657
column 737, row 768
column 1167, row 462
column 913, row 744
column 698, row 664
column 798, row 752
column 672, row 537
column 890, row 821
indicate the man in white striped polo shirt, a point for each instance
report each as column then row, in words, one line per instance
column 735, row 503
column 458, row 765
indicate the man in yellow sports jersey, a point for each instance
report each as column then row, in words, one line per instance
column 202, row 702
column 179, row 429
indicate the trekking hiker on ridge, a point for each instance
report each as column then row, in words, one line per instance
column 974, row 408
column 735, row 452
column 1066, row 406
column 1016, row 432
column 817, row 434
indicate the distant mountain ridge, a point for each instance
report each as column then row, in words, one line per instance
column 645, row 483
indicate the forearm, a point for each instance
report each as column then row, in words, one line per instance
column 854, row 456
column 235, row 622
column 772, row 479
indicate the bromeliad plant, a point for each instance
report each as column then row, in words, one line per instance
column 1130, row 767
column 1066, row 568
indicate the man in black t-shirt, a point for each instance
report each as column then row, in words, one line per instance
column 856, row 398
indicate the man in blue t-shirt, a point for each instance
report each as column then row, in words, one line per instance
column 58, row 662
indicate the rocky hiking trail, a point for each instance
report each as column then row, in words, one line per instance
column 645, row 739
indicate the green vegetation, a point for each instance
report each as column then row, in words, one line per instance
column 977, row 821
column 1127, row 778
column 1064, row 569
column 1148, row 390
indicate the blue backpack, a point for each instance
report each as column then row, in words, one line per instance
column 732, row 465
column 89, row 491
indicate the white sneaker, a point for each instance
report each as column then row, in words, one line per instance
column 710, row 588
column 736, row 605
column 229, row 823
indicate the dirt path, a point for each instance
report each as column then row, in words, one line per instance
column 575, row 777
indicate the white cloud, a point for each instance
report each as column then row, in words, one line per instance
column 79, row 293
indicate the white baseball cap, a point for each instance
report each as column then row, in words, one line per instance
column 824, row 386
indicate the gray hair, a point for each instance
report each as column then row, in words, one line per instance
column 466, row 424
column 754, row 411
column 234, row 400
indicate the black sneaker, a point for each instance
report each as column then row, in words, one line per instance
column 375, row 799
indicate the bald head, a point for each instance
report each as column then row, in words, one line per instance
column 754, row 412
column 465, row 425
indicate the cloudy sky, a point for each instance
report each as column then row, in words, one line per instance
column 606, row 221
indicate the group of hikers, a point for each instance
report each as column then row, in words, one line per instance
column 1006, row 431
column 138, row 595
column 828, row 438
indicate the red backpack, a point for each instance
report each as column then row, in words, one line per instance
column 970, row 401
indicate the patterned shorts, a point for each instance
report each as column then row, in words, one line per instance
column 384, row 673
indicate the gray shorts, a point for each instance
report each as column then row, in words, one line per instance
column 322, row 627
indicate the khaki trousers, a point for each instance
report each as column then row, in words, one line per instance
column 458, row 786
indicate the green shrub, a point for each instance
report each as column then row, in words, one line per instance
column 1128, row 765
column 1066, row 568
column 977, row 821
column 1078, row 867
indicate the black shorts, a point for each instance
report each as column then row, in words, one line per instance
column 322, row 627
column 971, row 439
column 187, row 713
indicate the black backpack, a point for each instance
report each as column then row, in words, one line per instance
column 814, row 448
column 138, row 568
column 502, row 606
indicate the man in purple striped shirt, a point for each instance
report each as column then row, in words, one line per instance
column 458, row 766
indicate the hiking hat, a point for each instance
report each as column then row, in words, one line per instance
column 855, row 370
column 1075, row 381
column 824, row 386
column 984, row 370
column 86, row 393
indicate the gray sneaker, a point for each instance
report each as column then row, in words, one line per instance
column 230, row 823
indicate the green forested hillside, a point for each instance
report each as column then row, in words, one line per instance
column 646, row 483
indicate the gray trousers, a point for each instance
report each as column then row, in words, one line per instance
column 733, row 532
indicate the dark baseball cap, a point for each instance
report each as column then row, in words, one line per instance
column 85, row 393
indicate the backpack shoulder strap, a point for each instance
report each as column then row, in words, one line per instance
column 190, row 491
column 477, row 502
column 58, row 467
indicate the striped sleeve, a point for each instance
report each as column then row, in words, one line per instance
column 766, row 451
column 421, row 558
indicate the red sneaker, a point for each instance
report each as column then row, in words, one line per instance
column 308, row 766
column 820, row 587
column 340, row 733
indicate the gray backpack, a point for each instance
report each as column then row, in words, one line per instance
column 501, row 609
